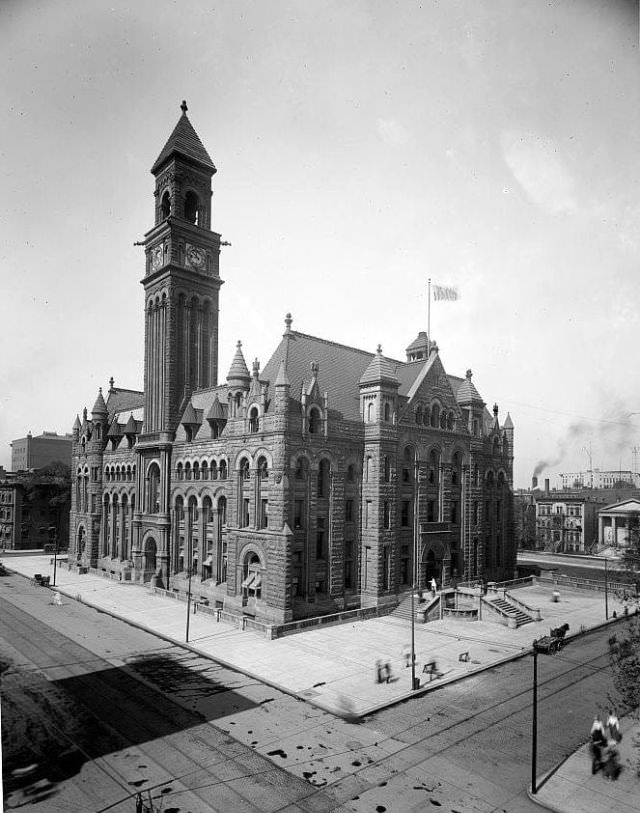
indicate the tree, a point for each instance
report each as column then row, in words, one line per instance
column 51, row 486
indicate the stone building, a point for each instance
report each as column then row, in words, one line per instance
column 305, row 487
column 36, row 451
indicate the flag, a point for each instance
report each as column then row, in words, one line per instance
column 442, row 292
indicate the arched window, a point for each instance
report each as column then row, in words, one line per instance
column 222, row 509
column 223, row 469
column 450, row 421
column 455, row 469
column 351, row 473
column 314, row 420
column 435, row 416
column 254, row 419
column 443, row 420
column 191, row 207
column 387, row 470
column 204, row 470
column 166, row 205
column 214, row 470
column 196, row 471
column 370, row 411
column 245, row 470
column 207, row 510
column 367, row 468
column 153, row 493
column 187, row 471
column 323, row 478
column 433, row 474
column 301, row 468
column 407, row 465
column 263, row 468
column 426, row 416
column 193, row 509
column 387, row 412
column 419, row 415
column 179, row 509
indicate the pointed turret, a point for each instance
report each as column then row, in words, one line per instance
column 184, row 142
column 77, row 426
column 238, row 375
column 99, row 410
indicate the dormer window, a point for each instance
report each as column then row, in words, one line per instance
column 191, row 207
column 314, row 421
column 254, row 419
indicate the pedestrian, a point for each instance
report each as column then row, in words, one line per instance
column 406, row 654
column 387, row 671
column 597, row 744
column 611, row 761
column 380, row 672
column 57, row 599
column 434, row 587
column 613, row 726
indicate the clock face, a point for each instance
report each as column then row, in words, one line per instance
column 195, row 256
column 157, row 256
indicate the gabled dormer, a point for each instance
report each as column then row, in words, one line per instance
column 315, row 406
column 431, row 400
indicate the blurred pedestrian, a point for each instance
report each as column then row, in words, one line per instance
column 434, row 587
column 611, row 761
column 613, row 726
column 406, row 654
column 597, row 744
column 380, row 672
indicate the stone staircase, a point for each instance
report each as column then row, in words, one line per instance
column 505, row 608
column 403, row 610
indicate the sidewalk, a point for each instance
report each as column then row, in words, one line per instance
column 333, row 667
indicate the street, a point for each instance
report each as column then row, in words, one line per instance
column 129, row 713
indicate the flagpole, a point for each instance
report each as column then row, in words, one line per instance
column 429, row 318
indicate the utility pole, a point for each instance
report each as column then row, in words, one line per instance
column 416, row 534
column 190, row 566
column 534, row 731
column 606, row 590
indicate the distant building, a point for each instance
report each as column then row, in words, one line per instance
column 599, row 479
column 35, row 452
column 27, row 515
column 617, row 523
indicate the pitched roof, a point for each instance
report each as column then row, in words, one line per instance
column 184, row 141
column 624, row 507
column 216, row 412
column 120, row 400
column 467, row 391
column 190, row 417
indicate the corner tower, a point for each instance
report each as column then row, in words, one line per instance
column 182, row 281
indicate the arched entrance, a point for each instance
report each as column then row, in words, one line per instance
column 81, row 543
column 149, row 559
column 432, row 565
column 251, row 582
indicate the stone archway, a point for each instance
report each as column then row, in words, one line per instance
column 252, row 573
column 149, row 559
column 433, row 564
column 81, row 543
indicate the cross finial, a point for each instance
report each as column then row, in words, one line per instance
column 183, row 106
column 288, row 320
column 379, row 350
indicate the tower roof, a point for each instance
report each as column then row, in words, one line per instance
column 380, row 369
column 184, row 141
column 99, row 408
column 238, row 370
column 508, row 423
column 467, row 391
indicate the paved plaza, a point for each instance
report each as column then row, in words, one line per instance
column 334, row 667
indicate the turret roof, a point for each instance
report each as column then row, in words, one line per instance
column 238, row 370
column 467, row 391
column 99, row 408
column 184, row 141
column 380, row 369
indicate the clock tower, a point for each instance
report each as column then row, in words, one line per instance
column 181, row 283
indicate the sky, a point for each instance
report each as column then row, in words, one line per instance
column 362, row 148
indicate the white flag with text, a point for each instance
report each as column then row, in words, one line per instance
column 443, row 292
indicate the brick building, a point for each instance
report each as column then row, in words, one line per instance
column 299, row 489
column 34, row 452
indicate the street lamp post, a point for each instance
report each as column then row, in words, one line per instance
column 534, row 730
column 416, row 535
column 190, row 565
column 606, row 590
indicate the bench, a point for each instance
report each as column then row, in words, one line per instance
column 431, row 670
column 463, row 657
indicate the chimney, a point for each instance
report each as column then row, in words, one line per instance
column 534, row 483
column 546, row 485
